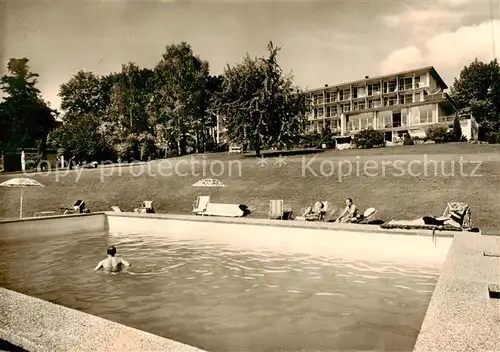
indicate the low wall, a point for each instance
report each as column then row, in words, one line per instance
column 350, row 241
column 461, row 315
column 53, row 225
column 36, row 325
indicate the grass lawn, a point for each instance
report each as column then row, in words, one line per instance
column 401, row 182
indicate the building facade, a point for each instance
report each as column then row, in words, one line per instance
column 399, row 103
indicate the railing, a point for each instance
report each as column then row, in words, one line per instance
column 446, row 119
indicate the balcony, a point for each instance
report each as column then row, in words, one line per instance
column 446, row 119
column 395, row 124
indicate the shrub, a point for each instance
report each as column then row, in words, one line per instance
column 408, row 140
column 494, row 137
column 369, row 138
column 439, row 134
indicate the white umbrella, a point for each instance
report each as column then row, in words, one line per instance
column 209, row 182
column 21, row 183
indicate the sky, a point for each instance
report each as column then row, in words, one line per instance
column 323, row 42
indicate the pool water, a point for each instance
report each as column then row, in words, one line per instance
column 218, row 298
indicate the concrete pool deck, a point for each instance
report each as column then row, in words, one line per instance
column 461, row 315
column 37, row 325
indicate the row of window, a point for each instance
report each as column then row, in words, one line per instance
column 386, row 119
column 332, row 111
column 371, row 89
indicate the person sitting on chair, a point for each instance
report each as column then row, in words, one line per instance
column 350, row 213
column 314, row 213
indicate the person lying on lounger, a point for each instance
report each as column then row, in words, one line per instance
column 427, row 220
column 315, row 213
column 112, row 263
column 350, row 213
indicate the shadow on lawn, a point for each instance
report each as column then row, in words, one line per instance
column 274, row 153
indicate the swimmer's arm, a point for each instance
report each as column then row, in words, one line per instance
column 124, row 262
column 99, row 266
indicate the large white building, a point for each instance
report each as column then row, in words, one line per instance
column 403, row 102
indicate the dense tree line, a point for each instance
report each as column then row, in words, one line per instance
column 172, row 108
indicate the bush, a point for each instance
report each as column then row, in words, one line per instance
column 439, row 134
column 369, row 138
column 408, row 140
column 494, row 137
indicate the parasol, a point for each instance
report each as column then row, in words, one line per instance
column 21, row 183
column 209, row 182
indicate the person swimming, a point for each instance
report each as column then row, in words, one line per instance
column 112, row 263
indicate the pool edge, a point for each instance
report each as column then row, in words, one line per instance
column 37, row 325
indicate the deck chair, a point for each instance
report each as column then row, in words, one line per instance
column 116, row 209
column 200, row 204
column 222, row 209
column 460, row 213
column 367, row 215
column 77, row 208
column 276, row 209
column 318, row 214
column 147, row 207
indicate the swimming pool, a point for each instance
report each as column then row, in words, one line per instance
column 221, row 297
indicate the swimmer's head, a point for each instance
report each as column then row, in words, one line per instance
column 111, row 251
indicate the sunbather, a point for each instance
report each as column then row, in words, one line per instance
column 315, row 213
column 350, row 213
column 428, row 220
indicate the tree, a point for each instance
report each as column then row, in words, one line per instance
column 81, row 139
column 477, row 91
column 85, row 93
column 127, row 120
column 457, row 130
column 25, row 118
column 178, row 101
column 85, row 99
column 259, row 104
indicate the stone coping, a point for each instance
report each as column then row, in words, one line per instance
column 461, row 315
column 49, row 217
column 36, row 325
column 320, row 225
column 256, row 221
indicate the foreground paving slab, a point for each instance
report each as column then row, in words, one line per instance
column 36, row 325
column 464, row 312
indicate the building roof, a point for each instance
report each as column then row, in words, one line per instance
column 429, row 69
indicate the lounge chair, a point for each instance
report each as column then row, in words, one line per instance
column 276, row 209
column 226, row 210
column 116, row 209
column 456, row 217
column 459, row 213
column 77, row 208
column 366, row 216
column 201, row 204
column 147, row 207
column 317, row 212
